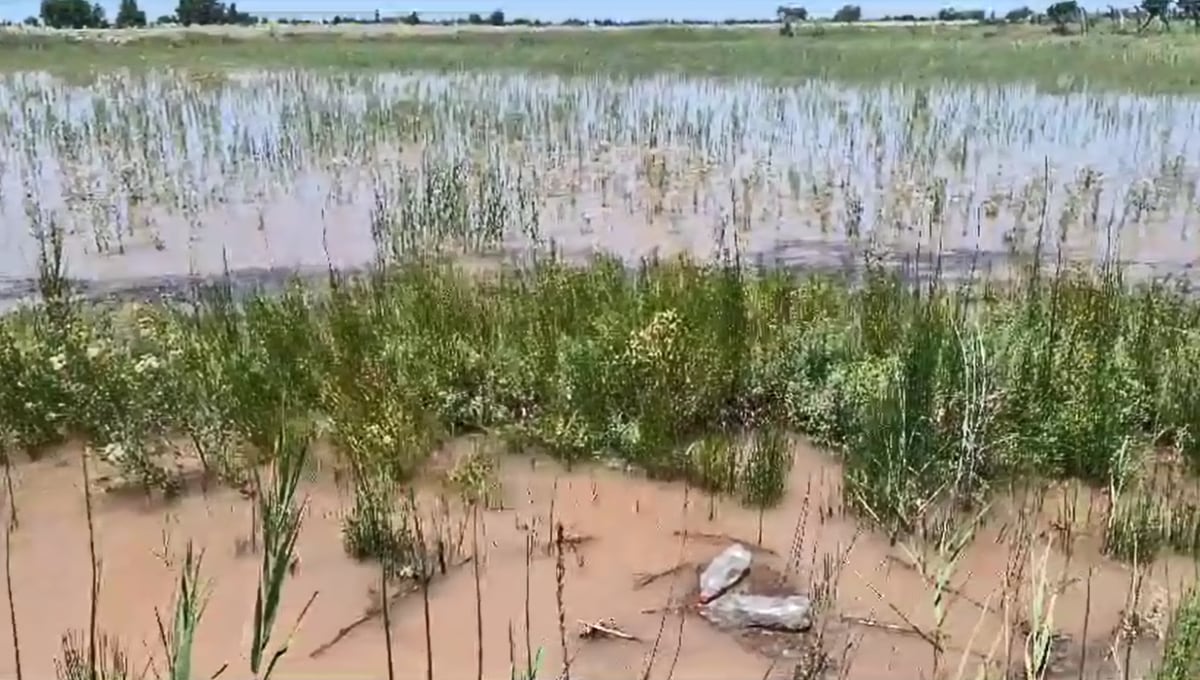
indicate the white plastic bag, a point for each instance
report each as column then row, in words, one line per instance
column 739, row 610
column 724, row 572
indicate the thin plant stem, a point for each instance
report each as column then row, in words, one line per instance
column 528, row 642
column 1087, row 615
column 478, row 591
column 9, row 528
column 387, row 619
column 424, row 574
column 560, row 582
column 662, row 622
column 682, row 610
column 512, row 651
column 14, row 519
column 94, row 595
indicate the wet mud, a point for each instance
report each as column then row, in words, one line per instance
column 636, row 546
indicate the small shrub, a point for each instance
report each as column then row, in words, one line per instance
column 765, row 471
column 371, row 530
column 476, row 478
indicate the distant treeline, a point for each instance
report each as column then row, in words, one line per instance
column 85, row 14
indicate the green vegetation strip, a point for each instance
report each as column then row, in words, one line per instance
column 926, row 393
column 1154, row 63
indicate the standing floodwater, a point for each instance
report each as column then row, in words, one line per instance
column 155, row 176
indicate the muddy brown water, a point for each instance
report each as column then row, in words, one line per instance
column 293, row 247
column 632, row 525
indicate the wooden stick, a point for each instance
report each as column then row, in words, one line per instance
column 660, row 610
column 370, row 614
column 883, row 625
column 725, row 538
column 641, row 580
column 597, row 627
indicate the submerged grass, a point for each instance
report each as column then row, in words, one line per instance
column 930, row 393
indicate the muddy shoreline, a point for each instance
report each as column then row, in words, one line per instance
column 634, row 527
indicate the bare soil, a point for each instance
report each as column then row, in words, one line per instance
column 627, row 528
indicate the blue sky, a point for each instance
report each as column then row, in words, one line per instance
column 554, row 10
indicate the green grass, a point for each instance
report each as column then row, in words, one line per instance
column 926, row 393
column 1181, row 657
column 1152, row 63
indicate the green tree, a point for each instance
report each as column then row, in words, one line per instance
column 789, row 13
column 1190, row 9
column 1018, row 15
column 129, row 15
column 951, row 14
column 201, row 12
column 233, row 16
column 72, row 14
column 848, row 14
column 496, row 18
column 1156, row 9
column 413, row 19
column 474, row 19
column 1063, row 14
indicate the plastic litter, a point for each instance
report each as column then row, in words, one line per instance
column 724, row 572
column 738, row 610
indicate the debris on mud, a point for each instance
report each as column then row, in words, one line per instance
column 604, row 628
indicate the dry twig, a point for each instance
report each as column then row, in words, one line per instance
column 642, row 579
column 372, row 612
column 604, row 628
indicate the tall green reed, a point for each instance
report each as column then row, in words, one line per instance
column 178, row 635
column 280, row 517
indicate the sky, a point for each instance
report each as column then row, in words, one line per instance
column 557, row 10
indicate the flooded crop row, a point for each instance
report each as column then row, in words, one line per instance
column 161, row 175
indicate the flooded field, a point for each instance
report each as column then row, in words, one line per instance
column 634, row 547
column 159, row 176
column 534, row 466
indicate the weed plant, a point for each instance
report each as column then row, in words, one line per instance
column 111, row 663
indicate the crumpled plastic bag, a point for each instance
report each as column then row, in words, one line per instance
column 724, row 572
column 738, row 610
